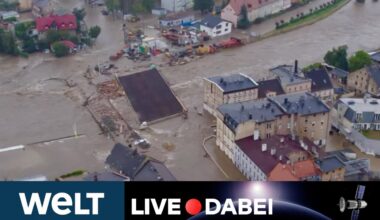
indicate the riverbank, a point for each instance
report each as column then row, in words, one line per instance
column 317, row 16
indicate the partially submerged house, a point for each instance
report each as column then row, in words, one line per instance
column 255, row 8
column 214, row 26
column 137, row 167
column 67, row 22
column 177, row 19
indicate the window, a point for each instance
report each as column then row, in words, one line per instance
column 219, row 26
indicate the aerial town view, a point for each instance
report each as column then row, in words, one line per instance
column 205, row 90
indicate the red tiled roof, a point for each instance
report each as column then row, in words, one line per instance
column 251, row 4
column 297, row 172
column 264, row 160
column 69, row 44
column 64, row 22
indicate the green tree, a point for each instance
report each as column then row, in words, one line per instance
column 59, row 49
column 8, row 6
column 204, row 5
column 359, row 60
column 21, row 30
column 243, row 23
column 52, row 36
column 138, row 7
column 148, row 4
column 79, row 13
column 311, row 67
column 29, row 45
column 113, row 5
column 337, row 57
column 8, row 43
column 94, row 32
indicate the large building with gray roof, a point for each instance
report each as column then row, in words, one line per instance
column 227, row 89
column 357, row 113
column 300, row 115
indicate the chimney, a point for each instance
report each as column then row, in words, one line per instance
column 273, row 151
column 264, row 147
column 296, row 67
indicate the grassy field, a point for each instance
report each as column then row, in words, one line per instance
column 308, row 19
column 372, row 134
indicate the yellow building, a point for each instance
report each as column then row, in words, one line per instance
column 228, row 89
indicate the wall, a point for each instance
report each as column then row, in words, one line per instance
column 247, row 167
column 228, row 14
column 314, row 127
column 222, row 29
column 358, row 81
column 305, row 86
column 335, row 175
column 213, row 96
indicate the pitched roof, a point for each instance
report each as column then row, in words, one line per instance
column 64, row 22
column 270, row 108
column 136, row 166
column 263, row 159
column 367, row 108
column 211, row 21
column 233, row 82
column 320, row 79
column 376, row 56
column 300, row 103
column 272, row 85
column 374, row 72
column 256, row 110
column 251, row 4
column 288, row 75
column 336, row 71
column 301, row 170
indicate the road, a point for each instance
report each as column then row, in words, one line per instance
column 36, row 109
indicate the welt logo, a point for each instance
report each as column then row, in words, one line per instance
column 62, row 204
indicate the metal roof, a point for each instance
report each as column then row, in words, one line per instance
column 320, row 79
column 233, row 82
column 302, row 103
column 329, row 163
column 211, row 21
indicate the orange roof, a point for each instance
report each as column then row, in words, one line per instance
column 299, row 170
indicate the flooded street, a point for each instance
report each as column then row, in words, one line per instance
column 354, row 25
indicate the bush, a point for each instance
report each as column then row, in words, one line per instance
column 94, row 32
column 59, row 49
column 73, row 174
